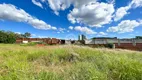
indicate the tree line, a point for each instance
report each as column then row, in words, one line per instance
column 10, row 37
column 138, row 37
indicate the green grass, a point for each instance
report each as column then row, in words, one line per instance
column 68, row 63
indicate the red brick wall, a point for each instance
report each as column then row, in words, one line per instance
column 129, row 46
column 46, row 40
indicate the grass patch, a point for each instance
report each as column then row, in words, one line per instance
column 68, row 63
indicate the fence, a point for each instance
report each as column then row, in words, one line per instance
column 45, row 40
column 131, row 44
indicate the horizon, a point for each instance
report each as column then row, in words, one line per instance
column 67, row 19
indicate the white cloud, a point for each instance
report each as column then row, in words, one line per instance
column 37, row 36
column 39, row 24
column 54, row 28
column 111, row 1
column 61, row 30
column 80, row 3
column 11, row 12
column 71, row 27
column 84, row 29
column 88, row 12
column 140, row 21
column 33, row 35
column 103, row 33
column 37, row 3
column 123, row 11
column 43, row 0
column 18, row 32
column 58, row 32
column 41, row 36
column 125, row 26
column 93, row 14
column 57, row 5
column 136, row 3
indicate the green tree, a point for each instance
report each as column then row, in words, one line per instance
column 7, row 37
column 138, row 37
column 18, row 36
column 3, row 37
column 11, row 37
column 27, row 35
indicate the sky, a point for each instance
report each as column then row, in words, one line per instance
column 66, row 19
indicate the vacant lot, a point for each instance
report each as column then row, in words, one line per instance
column 68, row 63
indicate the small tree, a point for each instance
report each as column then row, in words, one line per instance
column 18, row 35
column 26, row 35
column 109, row 45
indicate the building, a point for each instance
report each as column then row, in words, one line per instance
column 131, row 44
column 81, row 37
column 101, row 40
column 104, row 38
column 44, row 40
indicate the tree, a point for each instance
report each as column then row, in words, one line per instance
column 18, row 36
column 7, row 37
column 138, row 37
column 27, row 35
column 3, row 37
column 10, row 37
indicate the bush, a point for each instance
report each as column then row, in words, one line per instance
column 30, row 44
column 7, row 37
column 109, row 45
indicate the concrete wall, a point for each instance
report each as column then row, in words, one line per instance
column 101, row 41
column 67, row 41
column 131, row 44
column 112, row 40
column 89, row 41
column 106, row 41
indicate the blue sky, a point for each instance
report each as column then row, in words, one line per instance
column 67, row 19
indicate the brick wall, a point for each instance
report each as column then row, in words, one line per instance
column 46, row 40
column 129, row 46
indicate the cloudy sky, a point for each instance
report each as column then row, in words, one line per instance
column 69, row 18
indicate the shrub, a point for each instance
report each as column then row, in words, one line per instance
column 7, row 37
column 30, row 44
column 48, row 76
column 109, row 45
